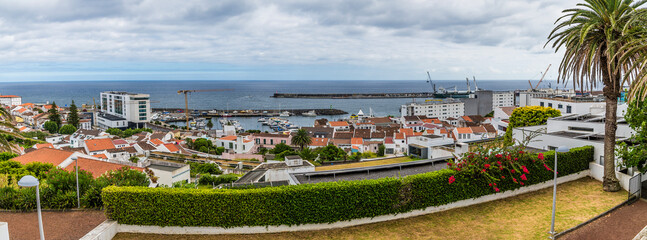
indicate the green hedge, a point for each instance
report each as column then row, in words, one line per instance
column 313, row 203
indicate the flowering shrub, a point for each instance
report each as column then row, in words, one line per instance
column 497, row 164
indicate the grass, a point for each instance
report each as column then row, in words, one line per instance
column 363, row 164
column 525, row 216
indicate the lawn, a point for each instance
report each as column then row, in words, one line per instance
column 522, row 217
column 363, row 164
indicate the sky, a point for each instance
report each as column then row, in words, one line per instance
column 45, row 40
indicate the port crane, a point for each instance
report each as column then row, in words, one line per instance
column 542, row 78
column 186, row 99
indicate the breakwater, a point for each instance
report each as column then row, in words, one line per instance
column 371, row 95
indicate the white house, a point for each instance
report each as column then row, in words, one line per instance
column 424, row 146
column 169, row 173
column 10, row 100
column 236, row 144
column 339, row 125
column 441, row 109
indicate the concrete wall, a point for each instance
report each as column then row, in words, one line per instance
column 4, row 230
column 235, row 156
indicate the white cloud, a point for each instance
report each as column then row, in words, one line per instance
column 391, row 39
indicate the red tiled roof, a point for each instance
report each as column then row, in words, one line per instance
column 388, row 140
column 399, row 136
column 356, row 141
column 100, row 156
column 156, row 141
column 96, row 167
column 8, row 96
column 44, row 145
column 338, row 124
column 464, row 130
column 171, row 147
column 44, row 155
column 119, row 142
column 319, row 142
column 228, row 138
column 99, row 144
column 407, row 131
column 467, row 118
column 478, row 129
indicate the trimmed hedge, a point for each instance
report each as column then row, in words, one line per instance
column 313, row 203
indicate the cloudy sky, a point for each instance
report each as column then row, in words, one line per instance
column 300, row 40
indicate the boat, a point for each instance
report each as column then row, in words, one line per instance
column 310, row 114
column 285, row 114
column 262, row 119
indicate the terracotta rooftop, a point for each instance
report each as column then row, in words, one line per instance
column 44, row 155
column 388, row 140
column 478, row 129
column 99, row 144
column 319, row 142
column 156, row 141
column 464, row 130
column 356, row 141
column 507, row 110
column 96, row 167
column 338, row 124
column 44, row 145
column 171, row 147
column 228, row 138
column 103, row 156
column 9, row 96
column 119, row 142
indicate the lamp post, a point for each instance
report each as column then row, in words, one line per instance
column 31, row 181
column 78, row 195
column 561, row 149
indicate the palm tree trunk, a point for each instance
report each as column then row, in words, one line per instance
column 610, row 183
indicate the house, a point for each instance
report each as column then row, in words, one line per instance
column 501, row 118
column 269, row 140
column 236, row 144
column 163, row 136
column 120, row 143
column 380, row 121
column 469, row 121
column 389, row 146
column 356, row 145
column 85, row 124
column 169, row 148
column 339, row 125
column 10, row 100
column 365, row 125
column 43, row 145
column 95, row 146
column 144, row 147
column 169, row 173
column 319, row 132
column 121, row 154
column 78, row 138
column 430, row 146
column 464, row 134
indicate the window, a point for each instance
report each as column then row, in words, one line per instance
column 550, row 105
column 264, row 141
column 142, row 110
column 142, row 118
column 559, row 106
column 258, row 141
column 568, row 109
column 231, row 145
column 271, row 141
column 541, row 104
column 282, row 141
column 580, row 129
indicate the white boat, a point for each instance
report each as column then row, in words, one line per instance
column 285, row 114
column 262, row 119
column 310, row 114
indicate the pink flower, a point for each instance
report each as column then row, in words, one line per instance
column 514, row 179
column 512, row 171
column 487, row 165
column 452, row 179
column 523, row 177
column 449, row 164
column 496, row 189
column 516, row 159
column 547, row 168
column 494, row 184
column 490, row 184
column 540, row 156
column 520, row 152
column 507, row 157
column 458, row 169
column 498, row 155
column 502, row 177
column 525, row 170
column 486, row 158
column 483, row 170
column 498, row 162
column 521, row 183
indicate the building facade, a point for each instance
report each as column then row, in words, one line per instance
column 502, row 99
column 10, row 100
column 441, row 109
column 117, row 108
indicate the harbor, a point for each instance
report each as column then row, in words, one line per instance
column 372, row 95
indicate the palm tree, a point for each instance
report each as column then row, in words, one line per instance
column 302, row 139
column 7, row 129
column 594, row 37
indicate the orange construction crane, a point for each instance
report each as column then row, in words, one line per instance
column 186, row 99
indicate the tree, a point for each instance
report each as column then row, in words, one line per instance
column 380, row 150
column 210, row 124
column 529, row 116
column 54, row 116
column 634, row 153
column 302, row 139
column 6, row 123
column 73, row 117
column 279, row 148
column 331, row 153
column 595, row 37
column 134, row 159
column 307, row 154
column 50, row 126
column 67, row 129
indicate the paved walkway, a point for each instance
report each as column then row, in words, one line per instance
column 623, row 223
column 57, row 225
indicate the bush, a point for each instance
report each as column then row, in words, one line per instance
column 204, row 168
column 67, row 129
column 312, row 203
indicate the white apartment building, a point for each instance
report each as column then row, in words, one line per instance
column 122, row 109
column 10, row 100
column 525, row 98
column 435, row 108
column 502, row 99
column 572, row 105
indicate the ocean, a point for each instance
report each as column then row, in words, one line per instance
column 247, row 94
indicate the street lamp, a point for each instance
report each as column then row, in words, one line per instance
column 31, row 181
column 561, row 149
column 78, row 196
